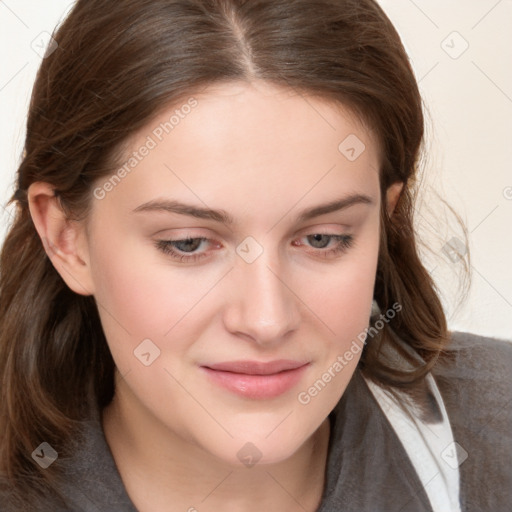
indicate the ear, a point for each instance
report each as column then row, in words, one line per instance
column 392, row 195
column 64, row 240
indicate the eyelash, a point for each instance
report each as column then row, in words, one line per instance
column 343, row 243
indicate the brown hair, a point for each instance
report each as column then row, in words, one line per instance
column 117, row 64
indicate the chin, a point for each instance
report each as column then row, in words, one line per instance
column 254, row 448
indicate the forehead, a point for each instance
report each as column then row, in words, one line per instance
column 262, row 113
column 249, row 143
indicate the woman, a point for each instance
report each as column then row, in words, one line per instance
column 211, row 296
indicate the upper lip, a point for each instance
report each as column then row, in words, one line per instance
column 256, row 367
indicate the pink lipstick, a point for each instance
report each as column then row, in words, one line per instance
column 254, row 379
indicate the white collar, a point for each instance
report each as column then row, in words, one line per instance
column 429, row 444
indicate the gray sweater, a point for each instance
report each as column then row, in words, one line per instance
column 368, row 469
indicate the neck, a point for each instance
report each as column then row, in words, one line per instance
column 163, row 471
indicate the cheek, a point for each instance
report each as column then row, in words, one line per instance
column 139, row 297
column 126, row 288
column 133, row 281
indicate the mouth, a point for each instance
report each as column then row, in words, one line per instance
column 256, row 380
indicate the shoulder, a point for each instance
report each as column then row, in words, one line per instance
column 90, row 479
column 93, row 481
column 476, row 367
column 475, row 380
column 479, row 351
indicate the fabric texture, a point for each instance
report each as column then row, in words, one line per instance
column 368, row 468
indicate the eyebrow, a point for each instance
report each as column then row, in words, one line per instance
column 170, row 206
column 334, row 206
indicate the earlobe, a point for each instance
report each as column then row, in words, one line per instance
column 61, row 238
column 392, row 195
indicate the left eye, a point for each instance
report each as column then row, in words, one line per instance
column 319, row 241
column 333, row 244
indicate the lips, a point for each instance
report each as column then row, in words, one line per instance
column 254, row 379
column 255, row 367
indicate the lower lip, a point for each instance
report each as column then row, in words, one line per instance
column 257, row 386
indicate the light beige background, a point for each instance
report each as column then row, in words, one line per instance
column 461, row 52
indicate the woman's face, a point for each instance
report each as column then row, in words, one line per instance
column 233, row 262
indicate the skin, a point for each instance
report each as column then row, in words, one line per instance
column 263, row 155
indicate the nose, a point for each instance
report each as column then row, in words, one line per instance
column 262, row 307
